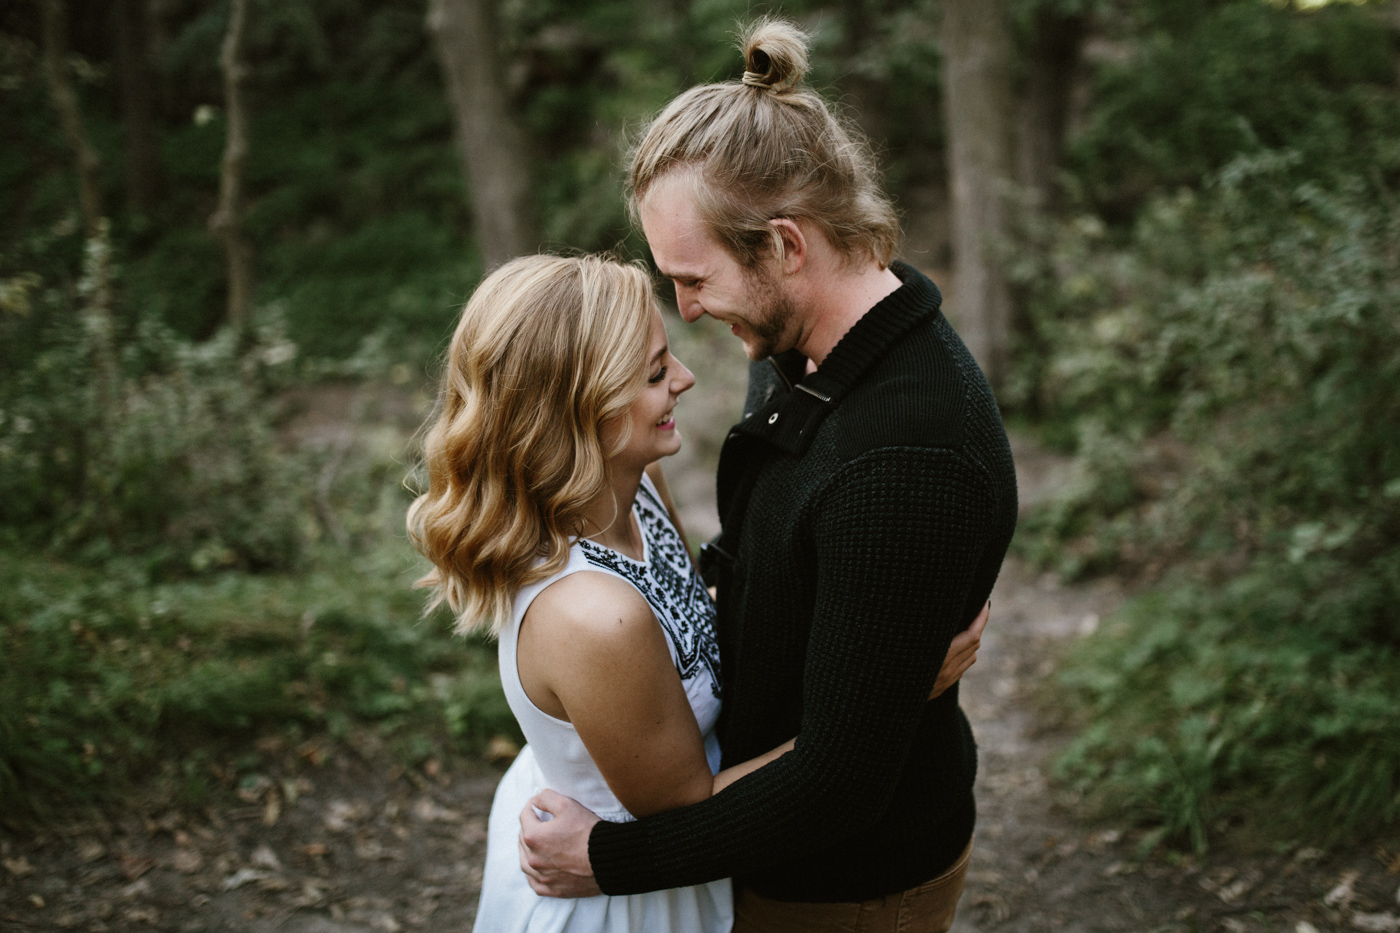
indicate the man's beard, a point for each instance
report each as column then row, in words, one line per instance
column 770, row 324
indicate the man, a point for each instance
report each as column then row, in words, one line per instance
column 867, row 500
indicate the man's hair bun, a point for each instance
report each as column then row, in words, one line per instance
column 775, row 55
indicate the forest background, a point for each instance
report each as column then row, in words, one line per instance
column 1169, row 230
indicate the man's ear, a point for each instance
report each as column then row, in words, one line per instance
column 794, row 244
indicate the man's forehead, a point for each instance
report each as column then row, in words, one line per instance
column 679, row 240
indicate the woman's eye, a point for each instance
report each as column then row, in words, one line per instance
column 659, row 376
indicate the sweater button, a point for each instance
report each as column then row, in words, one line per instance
column 773, row 417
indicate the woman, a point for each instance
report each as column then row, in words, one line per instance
column 543, row 526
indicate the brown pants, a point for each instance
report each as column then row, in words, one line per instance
column 929, row 908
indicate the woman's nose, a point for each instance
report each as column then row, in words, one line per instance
column 684, row 379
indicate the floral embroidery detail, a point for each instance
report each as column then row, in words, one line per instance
column 672, row 588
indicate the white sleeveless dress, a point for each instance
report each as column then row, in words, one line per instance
column 555, row 757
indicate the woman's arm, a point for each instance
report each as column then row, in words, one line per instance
column 590, row 653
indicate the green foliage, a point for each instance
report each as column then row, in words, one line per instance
column 1228, row 369
column 1209, row 81
column 1235, row 378
column 141, row 477
column 356, row 203
column 110, row 679
column 144, row 444
column 1206, row 704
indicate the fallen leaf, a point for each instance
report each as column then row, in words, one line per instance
column 1234, row 892
column 139, row 888
column 272, row 810
column 997, row 908
column 19, row 867
column 1302, row 926
column 1342, row 894
column 311, row 895
column 241, row 877
column 315, row 849
column 37, row 901
column 90, row 850
column 369, row 850
column 340, row 814
column 252, row 787
column 430, row 811
column 1308, row 854
column 264, row 857
column 1376, row 923
column 1235, row 925
column 501, row 750
column 141, row 915
column 473, row 831
column 187, row 861
column 134, row 866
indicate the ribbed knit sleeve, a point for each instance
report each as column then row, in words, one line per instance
column 898, row 533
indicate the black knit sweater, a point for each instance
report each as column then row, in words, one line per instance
column 867, row 511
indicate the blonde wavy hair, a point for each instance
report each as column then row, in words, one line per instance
column 548, row 350
column 766, row 146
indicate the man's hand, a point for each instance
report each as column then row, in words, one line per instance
column 962, row 652
column 554, row 852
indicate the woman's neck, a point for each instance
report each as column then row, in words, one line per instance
column 608, row 518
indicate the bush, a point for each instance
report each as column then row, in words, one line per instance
column 1208, row 81
column 146, row 444
column 110, row 680
column 1203, row 705
column 1234, row 395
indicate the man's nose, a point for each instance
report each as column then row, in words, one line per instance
column 689, row 309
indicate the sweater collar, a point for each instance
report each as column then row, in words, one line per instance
column 790, row 419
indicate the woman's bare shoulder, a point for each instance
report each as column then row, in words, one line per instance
column 591, row 606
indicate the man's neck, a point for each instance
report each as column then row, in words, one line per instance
column 834, row 302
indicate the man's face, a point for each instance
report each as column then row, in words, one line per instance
column 708, row 279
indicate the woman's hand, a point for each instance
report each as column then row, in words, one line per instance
column 962, row 653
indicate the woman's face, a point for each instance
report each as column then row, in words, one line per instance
column 654, row 432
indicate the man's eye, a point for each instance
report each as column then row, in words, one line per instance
column 659, row 376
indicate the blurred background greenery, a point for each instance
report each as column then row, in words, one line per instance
column 1196, row 265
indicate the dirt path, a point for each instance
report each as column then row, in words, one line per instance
column 342, row 840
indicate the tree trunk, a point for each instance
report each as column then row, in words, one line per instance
column 868, row 93
column 133, row 63
column 977, row 95
column 683, row 41
column 1053, row 58
column 227, row 221
column 65, row 101
column 492, row 144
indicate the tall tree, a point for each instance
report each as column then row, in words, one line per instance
column 977, row 60
column 492, row 144
column 1052, row 56
column 227, row 221
column 54, row 22
column 133, row 65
